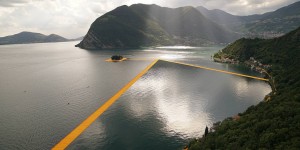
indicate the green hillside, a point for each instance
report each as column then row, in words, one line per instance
column 150, row 25
column 275, row 122
column 185, row 22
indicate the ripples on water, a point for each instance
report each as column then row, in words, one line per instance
column 166, row 107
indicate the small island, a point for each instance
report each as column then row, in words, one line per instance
column 116, row 58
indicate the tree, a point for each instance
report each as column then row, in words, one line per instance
column 206, row 131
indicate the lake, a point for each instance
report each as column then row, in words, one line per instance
column 47, row 89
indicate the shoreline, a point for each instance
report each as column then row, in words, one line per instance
column 248, row 64
column 237, row 117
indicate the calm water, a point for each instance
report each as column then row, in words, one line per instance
column 163, row 110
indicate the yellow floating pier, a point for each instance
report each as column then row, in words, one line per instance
column 65, row 142
column 212, row 69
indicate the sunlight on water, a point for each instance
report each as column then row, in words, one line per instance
column 169, row 105
column 170, row 56
column 176, row 47
column 179, row 51
column 241, row 87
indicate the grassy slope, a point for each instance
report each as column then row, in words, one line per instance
column 273, row 124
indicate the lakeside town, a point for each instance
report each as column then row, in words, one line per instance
column 254, row 64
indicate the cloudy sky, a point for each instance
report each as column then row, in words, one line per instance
column 72, row 18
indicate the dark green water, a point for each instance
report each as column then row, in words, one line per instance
column 163, row 110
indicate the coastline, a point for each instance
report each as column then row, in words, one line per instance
column 251, row 65
column 236, row 117
column 274, row 122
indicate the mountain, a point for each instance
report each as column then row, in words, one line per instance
column 150, row 25
column 220, row 17
column 31, row 37
column 79, row 38
column 270, row 24
column 282, row 20
column 228, row 20
column 274, row 122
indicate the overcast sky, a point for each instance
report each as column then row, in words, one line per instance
column 72, row 18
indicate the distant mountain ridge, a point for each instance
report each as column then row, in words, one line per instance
column 282, row 20
column 219, row 16
column 142, row 25
column 31, row 37
column 270, row 24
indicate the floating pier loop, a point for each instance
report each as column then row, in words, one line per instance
column 65, row 142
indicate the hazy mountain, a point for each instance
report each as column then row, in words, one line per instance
column 282, row 20
column 226, row 19
column 79, row 38
column 221, row 17
column 270, row 24
column 31, row 37
column 151, row 25
column 185, row 22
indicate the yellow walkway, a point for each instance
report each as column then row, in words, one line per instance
column 65, row 142
column 212, row 69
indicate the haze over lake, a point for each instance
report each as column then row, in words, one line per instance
column 165, row 108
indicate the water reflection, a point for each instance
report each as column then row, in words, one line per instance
column 171, row 104
column 240, row 87
column 164, row 97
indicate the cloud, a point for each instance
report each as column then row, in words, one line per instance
column 72, row 18
column 246, row 7
column 12, row 3
column 62, row 17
